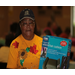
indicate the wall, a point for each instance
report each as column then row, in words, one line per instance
column 3, row 20
column 64, row 21
column 11, row 14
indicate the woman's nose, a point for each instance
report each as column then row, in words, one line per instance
column 28, row 25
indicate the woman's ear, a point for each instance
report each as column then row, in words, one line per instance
column 20, row 25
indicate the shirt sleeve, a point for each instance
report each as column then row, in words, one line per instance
column 12, row 59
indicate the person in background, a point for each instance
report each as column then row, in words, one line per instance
column 54, row 26
column 47, row 30
column 4, row 50
column 65, row 34
column 13, row 28
column 25, row 49
column 58, row 31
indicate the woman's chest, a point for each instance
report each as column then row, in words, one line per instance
column 29, row 55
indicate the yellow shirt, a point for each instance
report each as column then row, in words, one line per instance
column 24, row 53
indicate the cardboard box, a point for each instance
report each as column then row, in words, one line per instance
column 55, row 49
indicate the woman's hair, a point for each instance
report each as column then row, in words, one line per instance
column 18, row 32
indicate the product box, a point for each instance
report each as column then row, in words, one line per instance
column 55, row 53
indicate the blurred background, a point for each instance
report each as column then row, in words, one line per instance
column 60, row 20
column 43, row 14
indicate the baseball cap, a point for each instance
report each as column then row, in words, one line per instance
column 27, row 13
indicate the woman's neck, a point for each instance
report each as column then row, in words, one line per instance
column 28, row 37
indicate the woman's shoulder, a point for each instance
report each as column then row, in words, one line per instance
column 17, row 39
column 38, row 37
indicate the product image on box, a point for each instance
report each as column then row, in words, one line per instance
column 55, row 48
column 64, row 62
column 51, row 64
column 43, row 52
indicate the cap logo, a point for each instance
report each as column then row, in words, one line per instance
column 26, row 13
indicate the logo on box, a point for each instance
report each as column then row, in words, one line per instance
column 63, row 43
column 46, row 39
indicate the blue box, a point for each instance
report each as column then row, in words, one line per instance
column 55, row 48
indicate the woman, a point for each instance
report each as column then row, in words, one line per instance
column 25, row 50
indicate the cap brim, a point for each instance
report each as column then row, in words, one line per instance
column 26, row 17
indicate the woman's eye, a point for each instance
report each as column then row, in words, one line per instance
column 30, row 23
column 24, row 23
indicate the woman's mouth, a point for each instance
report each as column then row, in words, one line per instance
column 28, row 30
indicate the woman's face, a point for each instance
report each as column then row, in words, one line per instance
column 27, row 27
